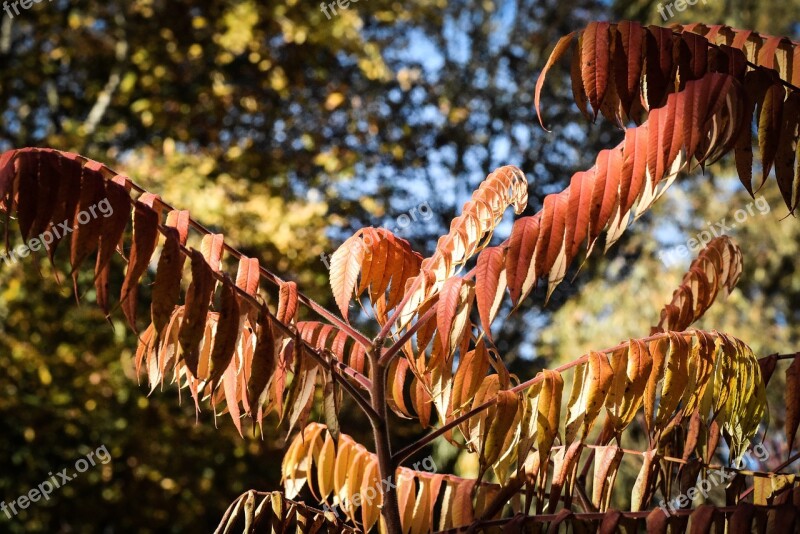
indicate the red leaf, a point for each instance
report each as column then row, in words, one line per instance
column 519, row 265
column 628, row 56
column 198, row 298
column 167, row 285
column 145, row 239
column 449, row 297
column 119, row 200
column 490, row 284
column 227, row 334
column 595, row 62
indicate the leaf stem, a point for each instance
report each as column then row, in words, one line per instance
column 398, row 345
column 387, row 328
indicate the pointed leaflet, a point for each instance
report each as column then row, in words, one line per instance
column 69, row 192
column 606, row 464
column 628, row 62
column 770, row 119
column 300, row 400
column 696, row 47
column 287, row 302
column 227, row 334
column 676, row 378
column 463, row 512
column 565, row 462
column 46, row 196
column 167, row 286
column 198, row 298
column 581, row 187
column 408, row 267
column 658, row 351
column 119, row 201
column 595, row 62
column 472, row 368
column 548, row 412
column 645, row 481
column 658, row 65
column 86, row 228
column 421, row 401
column 501, row 423
column 145, row 239
column 561, row 47
column 591, row 382
column 248, row 274
column 392, row 274
column 578, row 93
column 405, row 498
column 211, row 247
column 377, row 265
column 345, row 266
column 19, row 184
column 452, row 312
column 371, row 485
column 786, row 152
column 605, row 192
column 358, row 465
column 490, row 284
column 326, row 462
column 519, row 258
column 27, row 189
column 792, row 398
column 551, row 232
column 420, row 519
column 631, row 366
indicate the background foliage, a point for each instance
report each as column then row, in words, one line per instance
column 286, row 131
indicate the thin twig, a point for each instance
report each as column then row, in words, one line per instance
column 387, row 328
column 398, row 345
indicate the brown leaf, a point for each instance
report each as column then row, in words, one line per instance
column 86, row 228
column 167, row 285
column 227, row 334
column 119, row 201
column 595, row 62
column 455, row 300
column 145, row 239
column 606, row 464
column 198, row 298
column 792, row 399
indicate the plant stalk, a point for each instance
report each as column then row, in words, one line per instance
column 383, row 448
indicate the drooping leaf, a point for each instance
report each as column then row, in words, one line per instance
column 145, row 239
